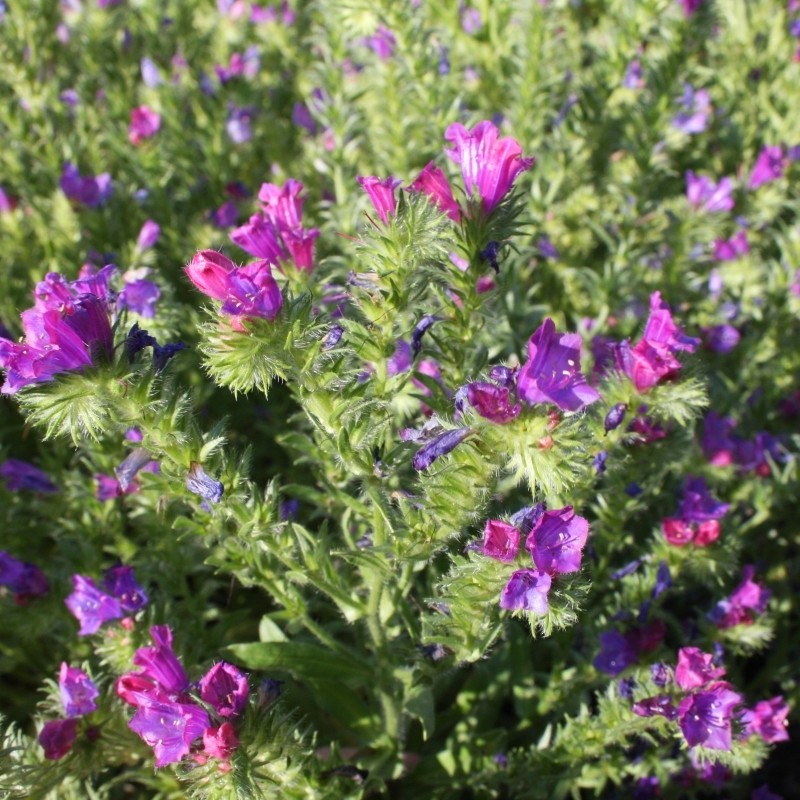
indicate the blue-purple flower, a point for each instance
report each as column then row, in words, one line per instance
column 21, row 476
column 557, row 540
column 78, row 691
column 91, row 191
column 705, row 716
column 526, row 590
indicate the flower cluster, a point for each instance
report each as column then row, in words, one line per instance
column 168, row 715
column 78, row 697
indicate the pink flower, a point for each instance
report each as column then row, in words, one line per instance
column 500, row 540
column 208, row 271
column 695, row 668
column 769, row 166
column 144, row 124
column 489, row 165
column 381, row 193
column 433, row 183
column 768, row 719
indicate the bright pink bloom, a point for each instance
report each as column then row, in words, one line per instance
column 768, row 719
column 489, row 165
column 733, row 248
column 500, row 540
column 695, row 668
column 702, row 193
column 144, row 124
column 433, row 183
column 208, row 271
column 381, row 193
column 260, row 238
column 769, row 166
column 746, row 600
column 220, row 742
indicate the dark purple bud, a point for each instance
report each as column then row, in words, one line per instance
column 127, row 470
column 489, row 253
column 332, row 337
column 202, row 484
column 435, row 652
column 269, row 691
column 546, row 248
column 20, row 475
column 289, row 509
column 121, row 584
column 628, row 569
column 615, row 416
column 501, row 759
column 625, row 687
column 419, row 331
column 136, row 340
column 25, row 580
column 660, row 705
column 504, row 376
column 663, row 579
column 161, row 355
column 599, row 462
column 438, row 447
column 57, row 737
column 633, row 489
column 526, row 519
column 661, row 674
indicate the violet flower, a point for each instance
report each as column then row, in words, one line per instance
column 488, row 165
column 695, row 668
column 660, row 705
column 552, row 372
column 767, row 719
column 260, row 238
column 140, row 296
column 633, row 77
column 718, row 444
column 148, row 235
column 200, row 483
column 381, row 192
column 21, row 476
column 252, row 292
column 238, row 125
column 89, row 191
column 500, row 541
column 747, row 599
column 615, row 416
column 91, row 607
column 733, row 248
column 57, row 738
column 438, row 447
column 526, row 590
column 382, row 42
column 225, row 688
column 769, row 166
column 160, row 664
column 702, row 193
column 23, row 579
column 705, row 716
column 696, row 109
column 617, row 652
column 722, row 339
column 121, row 584
column 690, row 6
column 78, row 691
column 169, row 728
column 433, row 183
column 557, row 540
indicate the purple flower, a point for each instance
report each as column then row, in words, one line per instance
column 698, row 504
column 89, row 191
column 705, row 716
column 57, row 738
column 471, row 20
column 746, row 599
column 78, row 691
column 488, row 164
column 226, row 215
column 733, row 248
column 769, row 167
column 381, row 193
column 500, row 541
column 400, row 361
column 617, row 652
column 419, row 331
column 690, row 6
column 301, row 116
column 723, row 338
column 696, row 109
column 148, row 235
column 710, row 197
column 145, row 124
column 140, row 296
column 552, row 372
column 438, row 447
column 91, row 607
column 526, row 590
column 238, row 125
column 615, row 416
column 382, row 42
column 169, row 728
column 23, row 579
column 261, row 239
column 120, row 582
column 660, row 674
column 22, row 476
column 556, row 542
column 200, row 483
column 660, row 705
column 718, row 444
column 492, row 402
column 151, row 77
column 433, row 183
column 633, row 77
column 767, row 719
column 225, row 688
column 252, row 292
column 695, row 668
column 160, row 664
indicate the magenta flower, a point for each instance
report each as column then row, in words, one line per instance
column 695, row 668
column 653, row 359
column 169, row 728
column 769, row 166
column 552, row 372
column 381, row 193
column 260, row 238
column 78, row 691
column 22, row 476
column 705, row 716
column 433, row 183
column 526, row 590
column 89, row 191
column 91, row 607
column 283, row 204
column 145, row 124
column 690, row 6
column 382, row 42
column 733, row 248
column 108, row 488
column 711, row 197
column 768, row 720
column 160, row 664
column 220, row 742
column 488, row 165
column 57, row 738
column 557, row 541
column 500, row 540
column 696, row 110
column 23, row 579
column 225, row 688
column 747, row 599
column 208, row 271
column 493, row 402
column 660, row 705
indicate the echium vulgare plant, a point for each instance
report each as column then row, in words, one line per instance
column 404, row 402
